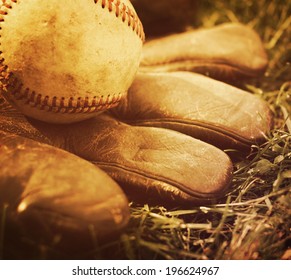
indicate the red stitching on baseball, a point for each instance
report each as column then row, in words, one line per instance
column 110, row 8
column 10, row 83
column 125, row 13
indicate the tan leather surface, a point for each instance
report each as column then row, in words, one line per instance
column 53, row 192
column 199, row 106
column 229, row 51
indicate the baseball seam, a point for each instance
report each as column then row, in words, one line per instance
column 125, row 13
column 8, row 82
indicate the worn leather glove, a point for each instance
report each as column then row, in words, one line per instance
column 50, row 193
column 151, row 164
column 157, row 164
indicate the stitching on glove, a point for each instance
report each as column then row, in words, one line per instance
column 213, row 66
column 175, row 184
column 215, row 129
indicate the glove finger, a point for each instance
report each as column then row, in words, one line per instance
column 227, row 52
column 50, row 192
column 153, row 165
column 201, row 107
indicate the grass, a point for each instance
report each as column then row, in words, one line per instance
column 254, row 220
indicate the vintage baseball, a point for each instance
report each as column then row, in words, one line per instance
column 66, row 61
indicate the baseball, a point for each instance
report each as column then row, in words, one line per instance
column 66, row 61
